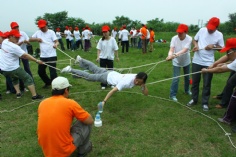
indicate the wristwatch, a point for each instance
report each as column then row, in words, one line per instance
column 214, row 46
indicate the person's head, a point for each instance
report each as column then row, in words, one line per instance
column 60, row 86
column 213, row 24
column 230, row 48
column 105, row 32
column 14, row 25
column 66, row 27
column 151, row 29
column 182, row 30
column 14, row 36
column 76, row 28
column 140, row 79
column 42, row 24
column 58, row 29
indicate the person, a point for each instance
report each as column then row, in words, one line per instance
column 59, row 38
column 67, row 34
column 205, row 41
column 77, row 36
column 143, row 32
column 124, row 36
column 119, row 36
column 152, row 39
column 48, row 43
column 86, row 37
column 220, row 66
column 179, row 54
column 119, row 81
column 9, row 64
column 114, row 33
column 56, row 136
column 106, row 50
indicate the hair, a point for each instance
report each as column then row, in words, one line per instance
column 234, row 49
column 59, row 92
column 142, row 75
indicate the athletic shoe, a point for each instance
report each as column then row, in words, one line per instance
column 223, row 121
column 37, row 97
column 19, row 95
column 77, row 59
column 103, row 88
column 26, row 90
column 189, row 93
column 205, row 108
column 191, row 103
column 174, row 99
column 66, row 69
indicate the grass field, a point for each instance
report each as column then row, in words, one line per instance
column 133, row 125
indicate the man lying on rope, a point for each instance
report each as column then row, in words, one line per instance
column 120, row 81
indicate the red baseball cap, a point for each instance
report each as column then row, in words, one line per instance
column 66, row 27
column 14, row 33
column 42, row 23
column 77, row 28
column 13, row 25
column 105, row 28
column 1, row 34
column 58, row 29
column 6, row 34
column 213, row 23
column 230, row 43
column 182, row 28
column 124, row 26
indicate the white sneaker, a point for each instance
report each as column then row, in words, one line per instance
column 103, row 88
column 77, row 59
column 26, row 90
column 112, row 87
column 8, row 92
column 205, row 108
column 66, row 69
column 174, row 99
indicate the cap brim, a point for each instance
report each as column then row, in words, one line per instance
column 180, row 31
column 211, row 27
column 41, row 26
column 225, row 49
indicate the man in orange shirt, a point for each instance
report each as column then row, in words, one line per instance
column 55, row 116
column 152, row 39
column 143, row 32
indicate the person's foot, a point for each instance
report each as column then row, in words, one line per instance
column 191, row 103
column 217, row 97
column 19, row 95
column 205, row 108
column 223, row 121
column 66, row 69
column 189, row 93
column 8, row 92
column 174, row 98
column 103, row 88
column 77, row 59
column 37, row 97
column 218, row 106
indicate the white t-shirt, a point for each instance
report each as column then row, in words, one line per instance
column 232, row 65
column 134, row 33
column 121, row 81
column 23, row 37
column 206, row 57
column 70, row 36
column 107, row 48
column 124, row 35
column 148, row 34
column 77, row 35
column 66, row 32
column 58, row 35
column 184, row 59
column 86, row 34
column 46, row 47
column 113, row 33
column 9, row 56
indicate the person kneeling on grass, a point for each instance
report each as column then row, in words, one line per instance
column 113, row 78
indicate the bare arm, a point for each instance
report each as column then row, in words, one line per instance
column 223, row 59
column 219, row 69
column 115, row 89
column 89, row 120
column 195, row 48
column 98, row 54
column 144, row 89
column 35, row 40
column 29, row 57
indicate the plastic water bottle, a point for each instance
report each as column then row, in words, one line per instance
column 100, row 107
column 98, row 121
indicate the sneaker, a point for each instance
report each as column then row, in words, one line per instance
column 189, row 93
column 174, row 99
column 77, row 59
column 112, row 87
column 66, row 69
column 191, row 103
column 19, row 95
column 8, row 92
column 37, row 97
column 205, row 108
column 103, row 88
column 223, row 121
column 26, row 90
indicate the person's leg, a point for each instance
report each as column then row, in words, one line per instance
column 186, row 78
column 61, row 44
column 230, row 114
column 9, row 85
column 123, row 46
column 143, row 45
column 67, row 44
column 81, row 134
column 206, row 91
column 103, row 64
column 127, row 46
column 231, row 84
column 42, row 72
column 53, row 71
column 14, row 80
column 175, row 82
column 85, row 64
column 196, row 81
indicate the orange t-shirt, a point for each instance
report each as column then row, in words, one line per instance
column 144, row 33
column 152, row 34
column 55, row 116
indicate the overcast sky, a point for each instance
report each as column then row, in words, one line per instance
column 24, row 12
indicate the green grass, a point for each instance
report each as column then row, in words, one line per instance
column 133, row 124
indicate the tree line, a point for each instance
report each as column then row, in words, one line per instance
column 61, row 19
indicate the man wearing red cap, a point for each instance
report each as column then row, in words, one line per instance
column 124, row 35
column 205, row 42
column 221, row 66
column 67, row 33
column 9, row 64
column 179, row 53
column 48, row 43
column 86, row 38
column 77, row 36
column 59, row 38
column 114, row 33
column 106, row 50
column 143, row 32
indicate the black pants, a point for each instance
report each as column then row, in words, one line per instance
column 228, row 89
column 206, row 91
column 125, row 44
column 78, row 44
column 106, row 63
column 230, row 114
column 68, row 44
column 61, row 44
column 42, row 70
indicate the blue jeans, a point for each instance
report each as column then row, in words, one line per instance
column 175, row 81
